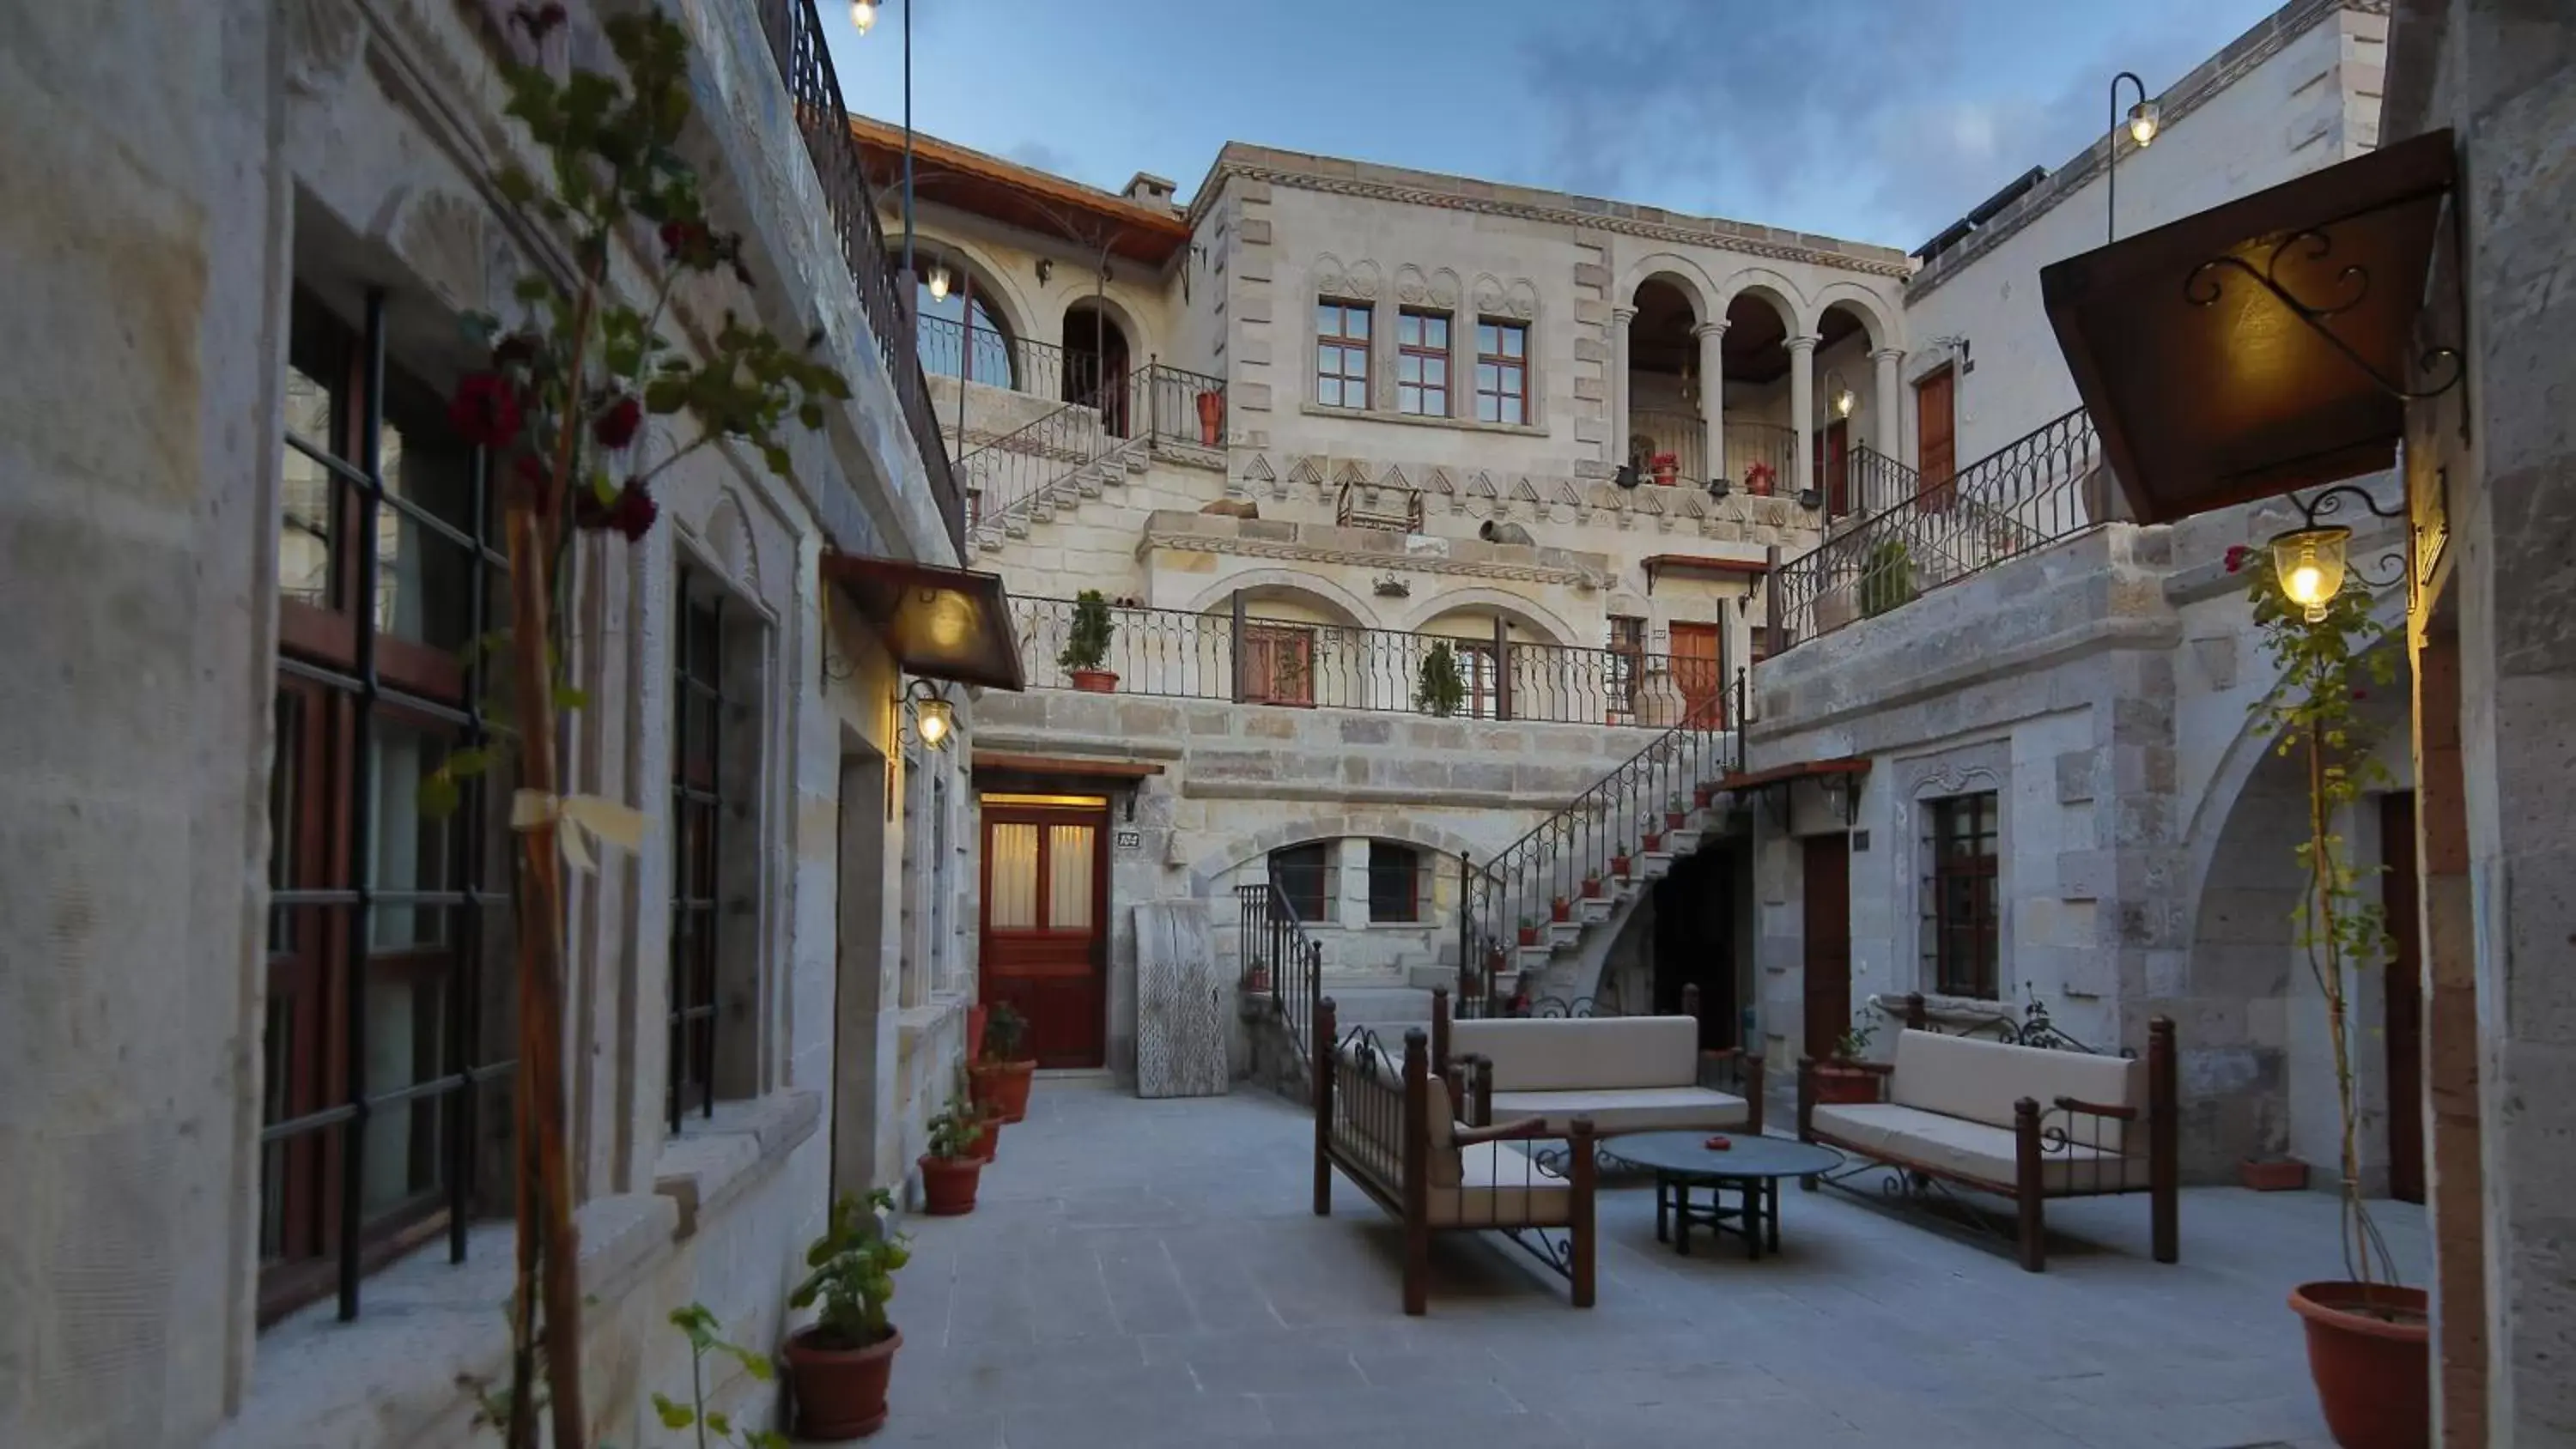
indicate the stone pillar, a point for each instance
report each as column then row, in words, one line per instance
column 1349, row 905
column 1888, row 428
column 1381, row 350
column 1712, row 395
column 1462, row 360
column 1620, row 317
column 1802, row 411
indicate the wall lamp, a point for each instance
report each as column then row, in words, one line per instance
column 934, row 718
column 2310, row 560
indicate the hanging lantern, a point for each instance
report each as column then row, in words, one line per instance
column 2309, row 563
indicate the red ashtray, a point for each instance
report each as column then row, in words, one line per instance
column 1717, row 1144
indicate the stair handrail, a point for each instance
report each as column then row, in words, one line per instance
column 1273, row 947
column 1055, row 446
column 1582, row 840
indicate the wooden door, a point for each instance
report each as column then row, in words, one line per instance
column 1833, row 467
column 1045, row 937
column 2402, row 1021
column 1696, row 674
column 1828, row 929
column 1936, row 439
column 1278, row 664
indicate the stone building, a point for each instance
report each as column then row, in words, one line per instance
column 240, row 1166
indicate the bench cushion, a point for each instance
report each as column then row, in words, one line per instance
column 1559, row 1054
column 1975, row 1150
column 1500, row 1187
column 1632, row 1109
column 1958, row 1076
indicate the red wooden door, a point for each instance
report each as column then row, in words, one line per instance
column 1695, row 673
column 1833, row 467
column 1936, row 438
column 1045, row 942
column 2402, row 1022
column 1827, row 903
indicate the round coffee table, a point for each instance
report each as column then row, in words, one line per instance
column 1750, row 1168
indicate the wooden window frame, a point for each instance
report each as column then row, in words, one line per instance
column 1348, row 343
column 1967, row 946
column 1504, row 364
column 1265, row 645
column 1323, row 880
column 1627, row 660
column 1410, row 874
column 699, row 790
column 1425, row 356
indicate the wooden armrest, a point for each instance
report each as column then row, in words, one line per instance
column 2097, row 1109
column 1880, row 1069
column 1720, row 1054
column 1525, row 1128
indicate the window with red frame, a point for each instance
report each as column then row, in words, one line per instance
column 1502, row 372
column 1342, row 354
column 1422, row 364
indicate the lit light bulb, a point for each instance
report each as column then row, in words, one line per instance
column 936, row 717
column 1844, row 402
column 863, row 14
column 2309, row 562
column 2144, row 121
column 2305, row 584
column 938, row 284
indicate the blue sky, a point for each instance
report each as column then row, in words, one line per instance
column 1876, row 120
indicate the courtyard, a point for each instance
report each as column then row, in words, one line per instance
column 1148, row 1273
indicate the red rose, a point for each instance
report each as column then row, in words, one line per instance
column 616, row 427
column 2236, row 557
column 680, row 238
column 631, row 512
column 485, row 411
column 2359, row 693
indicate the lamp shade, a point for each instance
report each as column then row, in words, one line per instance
column 938, row 283
column 2145, row 120
column 2309, row 564
column 935, row 719
column 863, row 14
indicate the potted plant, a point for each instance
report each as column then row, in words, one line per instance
column 1256, row 977
column 1811, row 499
column 1667, row 468
column 1592, row 884
column 1653, row 842
column 1886, row 578
column 1702, row 796
column 839, row 1367
column 1086, row 644
column 1529, row 930
column 951, row 1169
column 1560, row 910
column 2367, row 1334
column 1840, row 1079
column 1441, row 689
column 1760, row 478
column 1675, row 817
column 1001, row 1075
column 1619, row 861
column 1211, row 417
column 1718, row 487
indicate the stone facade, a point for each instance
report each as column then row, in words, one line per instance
column 186, row 184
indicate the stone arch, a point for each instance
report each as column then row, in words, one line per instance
column 1329, row 822
column 1141, row 340
column 1678, row 272
column 1776, row 291
column 1536, row 618
column 727, row 535
column 1346, row 607
column 1876, row 321
column 993, row 284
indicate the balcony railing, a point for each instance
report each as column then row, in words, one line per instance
column 1681, row 434
column 2030, row 492
column 1772, row 445
column 796, row 42
column 1245, row 658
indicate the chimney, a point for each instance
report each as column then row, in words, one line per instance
column 1148, row 189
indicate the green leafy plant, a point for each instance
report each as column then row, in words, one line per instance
column 1886, row 577
column 701, row 1328
column 956, row 1130
column 1441, row 689
column 1086, row 643
column 851, row 1273
column 1853, row 1044
column 1005, row 1030
column 2328, row 666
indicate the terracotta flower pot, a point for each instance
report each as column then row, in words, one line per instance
column 1666, row 474
column 1257, row 979
column 840, row 1392
column 1560, row 910
column 1529, row 935
column 1592, row 887
column 1838, row 1085
column 1211, row 417
column 2273, row 1174
column 1701, row 795
column 1095, row 681
column 1618, row 866
column 948, row 1185
column 1004, row 1084
column 1675, row 819
column 1654, row 842
column 2367, row 1351
column 989, row 1146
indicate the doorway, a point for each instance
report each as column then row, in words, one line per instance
column 1697, row 674
column 1043, row 930
column 1833, row 467
column 1936, row 448
column 1095, row 365
column 1694, row 943
column 1827, row 904
column 2402, row 1015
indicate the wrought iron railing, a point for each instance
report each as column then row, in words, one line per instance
column 1018, row 472
column 1277, row 960
column 1510, row 902
column 1179, row 406
column 949, row 348
column 2030, row 492
column 1874, row 482
column 1684, row 435
column 796, row 42
column 1765, row 447
column 1245, row 658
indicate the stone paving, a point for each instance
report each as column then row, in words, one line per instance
column 1148, row 1274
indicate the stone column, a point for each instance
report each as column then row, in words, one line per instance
column 1888, row 429
column 1349, row 903
column 1620, row 317
column 1462, row 359
column 1712, row 395
column 1802, row 411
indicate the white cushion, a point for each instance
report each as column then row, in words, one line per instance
column 1975, row 1150
column 1634, row 1109
column 1368, row 1117
column 1556, row 1054
column 1500, row 1187
column 1959, row 1076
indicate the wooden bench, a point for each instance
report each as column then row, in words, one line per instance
column 1388, row 1124
column 2025, row 1122
column 1625, row 1073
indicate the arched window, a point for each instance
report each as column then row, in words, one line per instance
column 960, row 335
column 1399, row 882
column 1304, row 874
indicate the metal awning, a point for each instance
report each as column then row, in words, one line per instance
column 938, row 623
column 1708, row 565
column 2264, row 345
